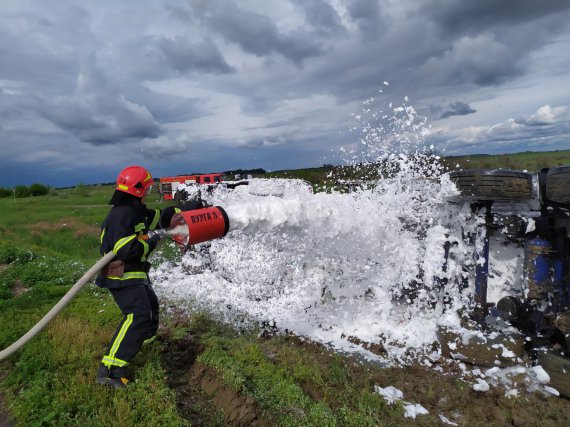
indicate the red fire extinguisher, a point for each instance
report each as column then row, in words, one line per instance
column 199, row 225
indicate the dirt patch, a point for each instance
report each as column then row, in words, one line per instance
column 375, row 348
column 238, row 410
column 202, row 398
column 19, row 289
column 79, row 229
column 312, row 390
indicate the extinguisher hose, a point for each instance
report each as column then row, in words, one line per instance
column 58, row 307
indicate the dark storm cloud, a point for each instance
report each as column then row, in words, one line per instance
column 96, row 112
column 183, row 55
column 481, row 60
column 321, row 16
column 253, row 32
column 180, row 13
column 367, row 14
column 277, row 124
column 490, row 41
column 100, row 119
column 156, row 58
column 458, row 109
column 462, row 16
column 268, row 141
column 168, row 108
column 20, row 49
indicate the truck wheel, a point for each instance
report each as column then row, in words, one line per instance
column 558, row 368
column 493, row 184
column 558, row 184
column 482, row 349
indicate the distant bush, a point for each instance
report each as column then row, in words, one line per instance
column 82, row 190
column 21, row 191
column 38, row 190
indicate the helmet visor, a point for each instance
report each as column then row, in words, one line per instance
column 147, row 190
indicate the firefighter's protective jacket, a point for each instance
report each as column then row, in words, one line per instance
column 120, row 230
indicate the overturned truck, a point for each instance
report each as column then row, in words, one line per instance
column 533, row 211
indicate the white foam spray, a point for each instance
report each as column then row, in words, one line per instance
column 329, row 266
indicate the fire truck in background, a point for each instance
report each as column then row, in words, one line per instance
column 169, row 184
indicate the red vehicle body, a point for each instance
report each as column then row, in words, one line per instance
column 169, row 184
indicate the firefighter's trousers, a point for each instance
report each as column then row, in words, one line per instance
column 139, row 305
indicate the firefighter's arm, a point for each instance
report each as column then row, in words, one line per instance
column 126, row 244
column 166, row 215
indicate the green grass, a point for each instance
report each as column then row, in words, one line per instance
column 51, row 380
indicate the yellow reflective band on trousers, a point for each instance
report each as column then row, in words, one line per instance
column 110, row 359
column 130, row 275
column 154, row 222
column 122, row 242
column 102, row 235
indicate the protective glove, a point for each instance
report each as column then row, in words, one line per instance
column 166, row 215
column 156, row 235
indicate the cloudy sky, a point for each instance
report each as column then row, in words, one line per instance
column 88, row 87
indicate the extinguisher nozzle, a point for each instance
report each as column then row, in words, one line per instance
column 179, row 234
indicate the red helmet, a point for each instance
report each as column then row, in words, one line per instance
column 134, row 180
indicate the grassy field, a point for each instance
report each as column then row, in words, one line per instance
column 199, row 372
column 47, row 243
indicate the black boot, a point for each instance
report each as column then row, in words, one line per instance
column 114, row 377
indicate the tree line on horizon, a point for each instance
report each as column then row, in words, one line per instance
column 20, row 191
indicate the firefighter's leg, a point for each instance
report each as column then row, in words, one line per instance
column 154, row 308
column 134, row 303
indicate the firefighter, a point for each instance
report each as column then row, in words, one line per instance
column 126, row 276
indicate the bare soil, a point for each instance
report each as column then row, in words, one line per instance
column 79, row 229
column 19, row 289
column 203, row 398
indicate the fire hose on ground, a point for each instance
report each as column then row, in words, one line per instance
column 186, row 228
